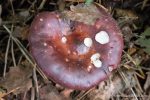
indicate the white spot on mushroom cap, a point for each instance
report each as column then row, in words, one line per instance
column 63, row 39
column 59, row 20
column 45, row 51
column 102, row 37
column 41, row 19
column 45, row 44
column 89, row 68
column 95, row 56
column 97, row 63
column 88, row 42
column 95, row 60
column 48, row 25
column 74, row 53
column 57, row 16
column 67, row 60
column 110, row 68
column 68, row 51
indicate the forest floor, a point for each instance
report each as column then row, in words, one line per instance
column 21, row 80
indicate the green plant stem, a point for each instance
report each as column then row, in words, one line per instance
column 88, row 2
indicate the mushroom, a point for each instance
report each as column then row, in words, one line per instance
column 76, row 48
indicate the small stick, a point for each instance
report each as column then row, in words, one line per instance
column 6, row 56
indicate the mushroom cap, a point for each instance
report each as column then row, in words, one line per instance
column 59, row 47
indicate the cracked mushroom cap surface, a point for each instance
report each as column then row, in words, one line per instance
column 76, row 48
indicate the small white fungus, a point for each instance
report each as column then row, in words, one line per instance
column 102, row 37
column 88, row 42
column 97, row 63
column 95, row 56
column 63, row 39
column 95, row 60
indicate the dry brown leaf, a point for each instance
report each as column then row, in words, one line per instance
column 21, row 32
column 49, row 92
column 109, row 88
column 127, row 33
column 17, row 80
column 126, row 13
column 85, row 14
column 132, row 50
column 24, row 14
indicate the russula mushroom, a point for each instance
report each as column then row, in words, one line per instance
column 76, row 48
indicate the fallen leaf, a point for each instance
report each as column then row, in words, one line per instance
column 80, row 13
column 127, row 33
column 144, row 40
column 21, row 32
column 24, row 14
column 17, row 80
column 111, row 87
column 49, row 92
column 126, row 14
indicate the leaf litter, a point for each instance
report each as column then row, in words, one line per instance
column 130, row 81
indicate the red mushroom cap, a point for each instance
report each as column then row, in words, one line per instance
column 76, row 52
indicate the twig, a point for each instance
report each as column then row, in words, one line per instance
column 127, row 83
column 20, row 59
column 12, row 53
column 36, row 84
column 42, row 4
column 136, row 65
column 25, row 52
column 32, row 93
column 144, row 4
column 22, row 1
column 87, row 92
column 11, row 91
column 6, row 56
column 13, row 12
column 138, row 83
